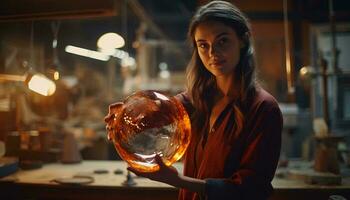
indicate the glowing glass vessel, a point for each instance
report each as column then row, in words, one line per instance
column 149, row 123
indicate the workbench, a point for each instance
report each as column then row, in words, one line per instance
column 106, row 184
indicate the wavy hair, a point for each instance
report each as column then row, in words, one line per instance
column 201, row 84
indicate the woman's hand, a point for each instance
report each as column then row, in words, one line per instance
column 165, row 174
column 169, row 175
column 111, row 119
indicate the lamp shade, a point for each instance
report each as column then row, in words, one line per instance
column 110, row 41
column 40, row 84
column 36, row 82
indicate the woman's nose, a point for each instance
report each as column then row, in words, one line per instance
column 213, row 51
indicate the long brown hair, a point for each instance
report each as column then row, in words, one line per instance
column 201, row 84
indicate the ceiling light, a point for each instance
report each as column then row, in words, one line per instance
column 110, row 41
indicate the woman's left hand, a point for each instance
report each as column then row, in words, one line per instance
column 165, row 174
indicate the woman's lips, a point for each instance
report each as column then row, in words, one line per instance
column 217, row 63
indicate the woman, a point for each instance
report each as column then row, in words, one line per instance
column 236, row 125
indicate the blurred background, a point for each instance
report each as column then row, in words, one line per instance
column 94, row 53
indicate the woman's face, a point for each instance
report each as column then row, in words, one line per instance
column 218, row 47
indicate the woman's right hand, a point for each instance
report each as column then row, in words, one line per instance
column 111, row 117
column 165, row 174
column 169, row 175
column 112, row 110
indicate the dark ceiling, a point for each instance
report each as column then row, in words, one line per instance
column 166, row 19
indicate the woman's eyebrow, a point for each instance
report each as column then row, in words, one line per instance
column 200, row 40
column 217, row 36
column 221, row 34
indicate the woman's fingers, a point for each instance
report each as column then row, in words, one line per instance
column 116, row 104
column 112, row 110
column 162, row 165
column 142, row 174
column 133, row 170
column 137, row 173
column 159, row 161
column 163, row 170
column 108, row 117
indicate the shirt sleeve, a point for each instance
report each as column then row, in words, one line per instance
column 258, row 163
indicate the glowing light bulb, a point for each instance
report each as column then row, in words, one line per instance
column 42, row 85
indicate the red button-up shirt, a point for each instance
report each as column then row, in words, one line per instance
column 236, row 166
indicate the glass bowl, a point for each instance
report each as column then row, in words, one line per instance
column 148, row 123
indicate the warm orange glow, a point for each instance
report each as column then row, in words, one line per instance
column 42, row 85
column 148, row 123
column 303, row 71
column 289, row 74
column 56, row 75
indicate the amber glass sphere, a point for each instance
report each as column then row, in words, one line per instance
column 149, row 123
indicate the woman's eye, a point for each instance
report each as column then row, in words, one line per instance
column 202, row 46
column 222, row 41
